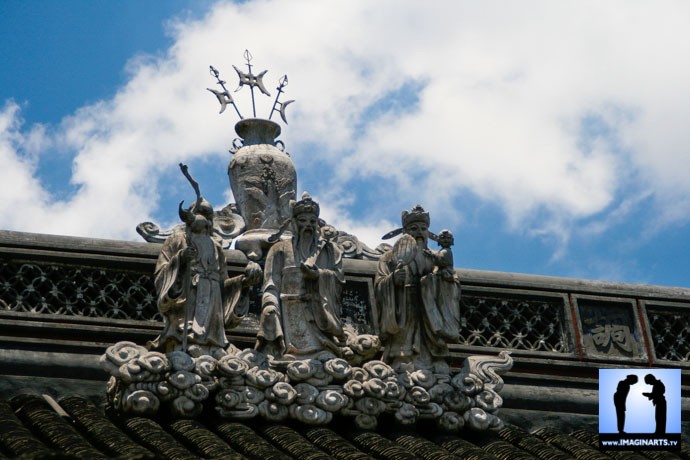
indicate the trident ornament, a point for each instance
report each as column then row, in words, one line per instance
column 280, row 106
column 251, row 80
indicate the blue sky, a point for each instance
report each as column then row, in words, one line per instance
column 549, row 136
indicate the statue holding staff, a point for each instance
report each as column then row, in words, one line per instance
column 195, row 295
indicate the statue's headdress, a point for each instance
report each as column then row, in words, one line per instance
column 303, row 206
column 306, row 205
column 417, row 214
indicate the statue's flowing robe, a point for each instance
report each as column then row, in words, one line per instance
column 200, row 293
column 418, row 317
column 301, row 316
column 447, row 288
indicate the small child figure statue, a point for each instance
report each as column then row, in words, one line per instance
column 448, row 294
column 443, row 259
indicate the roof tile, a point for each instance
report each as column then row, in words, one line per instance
column 592, row 439
column 464, row 448
column 246, row 441
column 15, row 438
column 31, row 428
column 293, row 443
column 100, row 431
column 381, row 447
column 532, row 444
column 334, row 444
column 38, row 416
column 152, row 436
column 422, row 447
column 574, row 447
column 203, row 441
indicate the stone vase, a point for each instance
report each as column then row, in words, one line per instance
column 264, row 181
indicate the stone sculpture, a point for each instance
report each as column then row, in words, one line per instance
column 317, row 368
column 443, row 259
column 244, row 384
column 303, row 279
column 194, row 293
column 263, row 181
column 262, row 177
column 418, row 297
column 307, row 365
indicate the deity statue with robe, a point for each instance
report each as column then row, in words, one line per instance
column 303, row 280
column 417, row 297
column 195, row 295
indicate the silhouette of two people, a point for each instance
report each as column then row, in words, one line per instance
column 656, row 396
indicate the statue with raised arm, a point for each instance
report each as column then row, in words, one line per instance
column 303, row 279
column 195, row 295
column 417, row 297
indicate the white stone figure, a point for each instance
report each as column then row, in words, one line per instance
column 303, row 279
column 417, row 298
column 195, row 295
column 447, row 285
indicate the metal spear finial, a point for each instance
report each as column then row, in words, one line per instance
column 280, row 106
column 251, row 80
column 223, row 96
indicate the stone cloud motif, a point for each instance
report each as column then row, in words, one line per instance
column 245, row 384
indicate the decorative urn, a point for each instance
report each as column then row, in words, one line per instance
column 263, row 181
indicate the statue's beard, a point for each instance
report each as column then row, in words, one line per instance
column 201, row 226
column 307, row 240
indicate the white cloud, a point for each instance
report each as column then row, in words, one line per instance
column 335, row 211
column 503, row 88
column 23, row 195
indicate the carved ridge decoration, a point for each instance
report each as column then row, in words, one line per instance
column 56, row 289
column 670, row 331
column 353, row 247
column 609, row 329
column 516, row 323
column 77, row 291
column 227, row 225
column 606, row 336
column 53, row 289
column 247, row 384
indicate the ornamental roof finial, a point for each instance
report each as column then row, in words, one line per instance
column 251, row 80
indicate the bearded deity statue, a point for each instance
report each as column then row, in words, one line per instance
column 308, row 363
column 303, row 279
column 417, row 297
